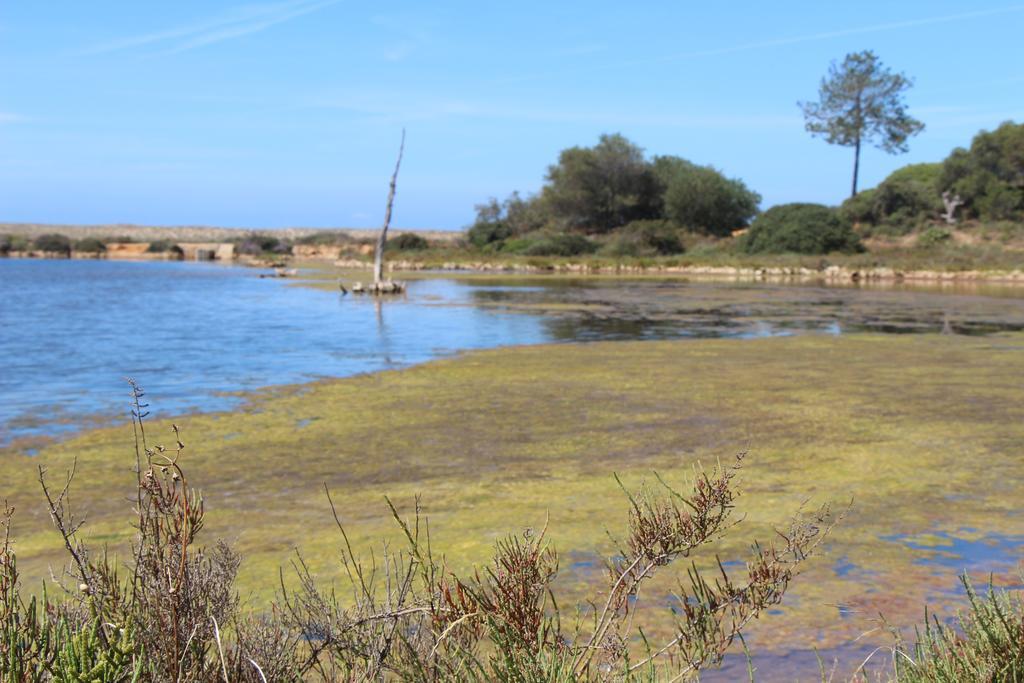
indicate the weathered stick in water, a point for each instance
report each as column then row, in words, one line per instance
column 378, row 255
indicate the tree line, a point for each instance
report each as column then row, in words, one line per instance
column 613, row 199
column 613, row 188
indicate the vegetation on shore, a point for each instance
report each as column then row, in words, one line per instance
column 608, row 205
column 894, row 422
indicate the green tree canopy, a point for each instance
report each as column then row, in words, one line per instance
column 702, row 199
column 597, row 189
column 862, row 101
column 989, row 177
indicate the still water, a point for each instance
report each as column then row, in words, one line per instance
column 194, row 333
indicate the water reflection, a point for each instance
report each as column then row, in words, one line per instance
column 645, row 309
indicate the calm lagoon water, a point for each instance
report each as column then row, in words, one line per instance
column 194, row 333
column 71, row 331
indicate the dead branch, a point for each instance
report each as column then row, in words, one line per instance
column 378, row 254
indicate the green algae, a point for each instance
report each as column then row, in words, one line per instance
column 924, row 434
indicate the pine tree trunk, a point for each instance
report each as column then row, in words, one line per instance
column 856, row 165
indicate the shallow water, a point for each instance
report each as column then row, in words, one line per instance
column 71, row 331
column 194, row 333
column 656, row 309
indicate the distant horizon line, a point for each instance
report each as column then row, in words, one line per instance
column 4, row 225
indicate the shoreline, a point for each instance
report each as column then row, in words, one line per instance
column 831, row 273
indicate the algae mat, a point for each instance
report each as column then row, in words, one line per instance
column 924, row 433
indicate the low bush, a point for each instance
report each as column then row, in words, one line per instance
column 52, row 243
column 324, row 238
column 6, row 245
column 90, row 245
column 987, row 643
column 484, row 234
column 558, row 245
column 934, row 236
column 173, row 614
column 645, row 238
column 407, row 241
column 801, row 229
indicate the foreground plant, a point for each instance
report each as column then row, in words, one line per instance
column 409, row 618
column 172, row 613
column 987, row 643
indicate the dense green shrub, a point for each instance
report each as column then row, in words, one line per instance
column 550, row 244
column 561, row 245
column 928, row 174
column 702, row 199
column 90, row 245
column 6, row 245
column 800, row 228
column 484, row 234
column 934, row 236
column 53, row 243
column 408, row 241
column 989, row 177
column 860, row 208
column 597, row 189
column 645, row 238
column 904, row 200
column 905, row 203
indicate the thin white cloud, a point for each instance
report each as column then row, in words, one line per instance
column 780, row 42
column 239, row 21
column 393, row 108
column 7, row 117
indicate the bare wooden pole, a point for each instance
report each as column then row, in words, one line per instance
column 378, row 255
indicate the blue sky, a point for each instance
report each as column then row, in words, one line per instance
column 289, row 113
